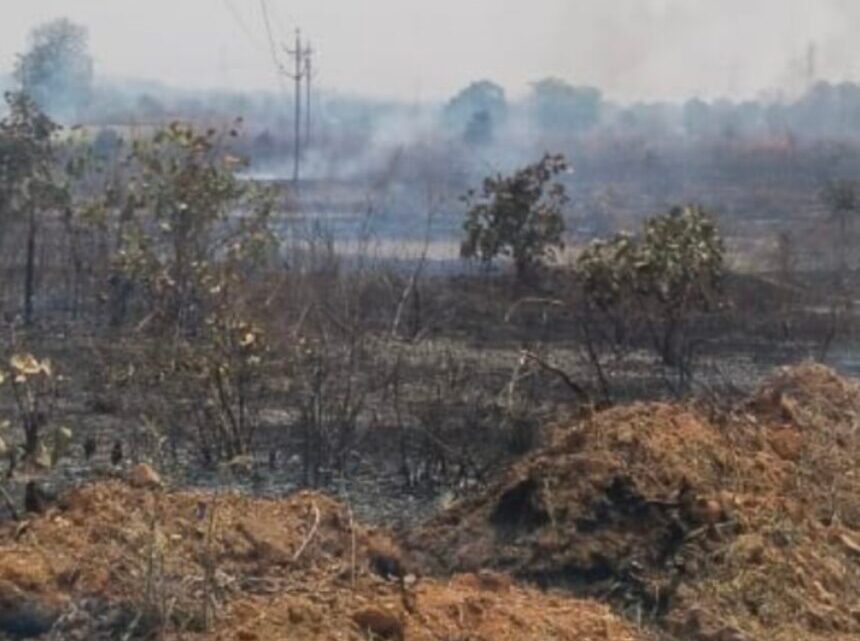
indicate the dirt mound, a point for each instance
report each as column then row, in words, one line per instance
column 810, row 416
column 742, row 528
column 809, row 395
column 113, row 562
column 472, row 606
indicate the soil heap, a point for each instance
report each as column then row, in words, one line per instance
column 744, row 526
column 114, row 562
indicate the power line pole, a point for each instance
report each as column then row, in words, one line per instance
column 309, row 52
column 302, row 70
column 298, row 55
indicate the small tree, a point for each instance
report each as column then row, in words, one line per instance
column 518, row 216
column 680, row 269
column 658, row 280
column 34, row 389
column 193, row 238
column 477, row 111
column 57, row 70
column 29, row 183
column 560, row 108
column 842, row 200
column 190, row 226
column 609, row 314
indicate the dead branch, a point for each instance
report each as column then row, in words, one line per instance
column 552, row 302
column 311, row 533
column 352, row 545
column 10, row 504
column 553, row 369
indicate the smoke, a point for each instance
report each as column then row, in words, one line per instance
column 635, row 50
column 754, row 62
column 675, row 49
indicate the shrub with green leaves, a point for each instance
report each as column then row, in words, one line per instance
column 33, row 385
column 191, row 229
column 670, row 272
column 517, row 216
column 194, row 240
column 32, row 181
column 680, row 269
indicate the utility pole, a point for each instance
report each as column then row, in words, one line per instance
column 298, row 56
column 309, row 52
column 301, row 70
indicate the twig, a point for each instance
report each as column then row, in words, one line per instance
column 144, row 323
column 132, row 627
column 310, row 535
column 352, row 544
column 551, row 302
column 10, row 504
column 209, row 581
column 573, row 385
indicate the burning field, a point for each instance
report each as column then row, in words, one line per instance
column 649, row 521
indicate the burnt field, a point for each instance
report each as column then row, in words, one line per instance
column 538, row 366
column 645, row 521
column 464, row 451
column 234, row 411
column 229, row 419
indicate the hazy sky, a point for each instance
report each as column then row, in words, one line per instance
column 427, row 49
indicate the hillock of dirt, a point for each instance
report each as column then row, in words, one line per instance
column 114, row 562
column 743, row 528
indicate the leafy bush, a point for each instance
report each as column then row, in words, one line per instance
column 518, row 216
column 34, row 389
column 193, row 239
column 30, row 182
column 191, row 230
column 226, row 374
column 672, row 271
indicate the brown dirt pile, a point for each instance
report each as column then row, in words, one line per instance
column 111, row 560
column 480, row 607
column 742, row 528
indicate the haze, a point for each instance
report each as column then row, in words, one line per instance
column 631, row 49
